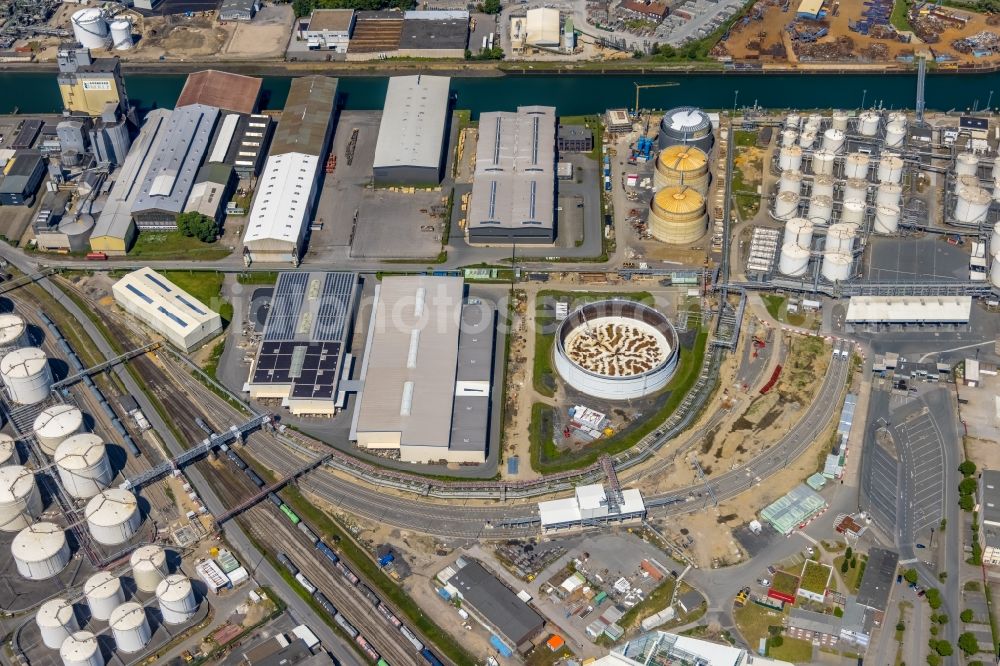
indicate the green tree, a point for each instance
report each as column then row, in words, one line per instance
column 967, row 468
column 854, row 562
column 966, row 616
column 933, row 659
column 849, row 553
column 944, row 648
column 968, row 643
column 911, row 575
column 490, row 6
column 966, row 503
column 775, row 641
column 934, row 598
column 967, row 487
column 900, row 626
column 303, row 7
column 199, row 226
column 942, row 618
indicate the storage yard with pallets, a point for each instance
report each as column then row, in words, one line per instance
column 773, row 32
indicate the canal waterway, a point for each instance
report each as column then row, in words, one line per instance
column 577, row 94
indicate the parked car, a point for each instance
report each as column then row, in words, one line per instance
column 765, row 582
column 772, row 570
column 899, row 578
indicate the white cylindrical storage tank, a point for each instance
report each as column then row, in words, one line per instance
column 856, row 166
column 121, row 34
column 27, row 375
column 836, row 266
column 681, row 165
column 996, row 169
column 840, row 238
column 833, row 139
column 40, row 551
column 8, row 450
column 823, row 186
column 823, row 162
column 853, row 211
column 807, row 139
column 104, row 594
column 996, row 191
column 965, row 180
column 966, row 164
column 889, row 194
column 886, row 220
column 839, row 120
column 794, row 260
column 798, row 231
column 55, row 424
column 790, row 158
column 995, row 270
column 972, row 205
column 820, row 210
column 90, row 28
column 176, row 597
column 130, row 627
column 786, row 205
column 897, row 117
column 995, row 238
column 113, row 516
column 868, row 123
column 856, row 188
column 20, row 500
column 149, row 567
column 789, row 137
column 12, row 332
column 84, row 468
column 890, row 169
column 815, row 119
column 792, row 121
column 56, row 622
column 811, row 128
column 790, row 181
column 895, row 135
column 81, row 649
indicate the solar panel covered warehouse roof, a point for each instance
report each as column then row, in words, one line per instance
column 412, row 133
column 513, row 191
column 166, row 308
column 305, row 341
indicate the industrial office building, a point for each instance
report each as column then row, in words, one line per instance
column 909, row 310
column 115, row 230
column 426, row 375
column 305, row 344
column 172, row 172
column 989, row 515
column 249, row 143
column 21, row 178
column 412, row 135
column 225, row 91
column 591, row 505
column 513, row 190
column 167, row 309
column 88, row 84
column 660, row 647
column 238, row 10
column 434, row 34
column 212, row 188
column 327, row 29
column 287, row 189
column 575, row 139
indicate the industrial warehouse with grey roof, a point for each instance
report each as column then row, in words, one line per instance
column 513, row 191
column 513, row 620
column 413, row 132
column 172, row 172
column 307, row 119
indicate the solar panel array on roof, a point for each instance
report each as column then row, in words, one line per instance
column 311, row 367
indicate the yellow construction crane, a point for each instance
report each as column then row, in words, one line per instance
column 641, row 86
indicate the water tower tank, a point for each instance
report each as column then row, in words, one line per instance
column 104, row 594
column 972, row 205
column 886, row 220
column 790, row 158
column 820, row 209
column 40, row 551
column 890, row 169
column 995, row 270
column 20, row 500
column 130, row 627
column 836, row 266
column 895, row 135
column 786, row 205
column 790, row 181
column 840, row 238
column 798, row 231
column 27, row 375
column 56, row 621
column 807, row 139
column 966, row 164
column 81, row 649
column 856, row 188
column 176, row 597
column 8, row 450
column 113, row 516
column 833, row 139
column 149, row 567
column 856, row 166
column 794, row 260
column 889, row 194
column 677, row 215
column 681, row 165
column 868, row 123
column 55, row 424
column 121, row 34
column 84, row 469
column 823, row 162
column 789, row 137
column 90, row 28
column 839, row 120
column 12, row 329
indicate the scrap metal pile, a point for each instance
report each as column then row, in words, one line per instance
column 842, row 48
column 981, row 43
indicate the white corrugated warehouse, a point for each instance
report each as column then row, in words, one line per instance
column 412, row 133
column 590, row 504
column 909, row 309
column 166, row 308
column 543, row 27
column 283, row 203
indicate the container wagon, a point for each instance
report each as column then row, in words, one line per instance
column 388, row 614
column 291, row 514
column 412, row 637
column 313, row 539
column 369, row 594
column 430, row 657
column 275, row 500
column 287, row 563
column 236, row 459
column 345, row 625
column 326, row 604
column 256, row 480
column 348, row 574
column 306, row 583
column 327, row 551
column 367, row 648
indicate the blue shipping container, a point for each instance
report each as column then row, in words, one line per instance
column 500, row 646
column 385, row 559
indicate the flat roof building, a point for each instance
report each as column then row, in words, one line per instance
column 543, row 27
column 989, row 514
column 513, row 191
column 166, row 308
column 238, row 10
column 591, row 505
column 287, row 189
column 249, row 144
column 434, row 34
column 660, row 647
column 223, row 90
column 172, row 172
column 115, row 231
column 496, row 605
column 306, row 342
column 412, row 134
column 22, row 177
column 909, row 309
column 328, row 29
column 213, row 186
column 427, row 372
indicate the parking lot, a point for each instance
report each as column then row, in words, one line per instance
column 922, row 455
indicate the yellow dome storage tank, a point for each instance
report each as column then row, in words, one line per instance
column 682, row 165
column 677, row 215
